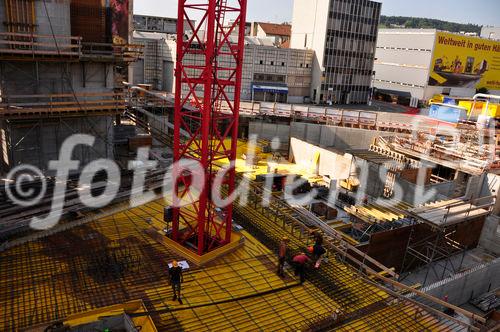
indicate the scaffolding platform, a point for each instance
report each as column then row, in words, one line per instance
column 34, row 47
column 56, row 105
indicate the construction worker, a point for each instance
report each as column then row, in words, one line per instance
column 176, row 278
column 318, row 251
column 282, row 256
column 318, row 238
column 448, row 311
column 300, row 262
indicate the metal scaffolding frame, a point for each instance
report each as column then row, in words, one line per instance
column 438, row 248
column 435, row 251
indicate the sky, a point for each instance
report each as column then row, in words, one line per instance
column 482, row 12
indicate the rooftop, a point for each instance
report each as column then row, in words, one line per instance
column 276, row 29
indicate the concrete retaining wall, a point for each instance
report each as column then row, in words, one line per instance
column 330, row 163
column 38, row 143
column 320, row 135
column 337, row 137
column 439, row 191
column 269, row 131
column 490, row 237
column 468, row 285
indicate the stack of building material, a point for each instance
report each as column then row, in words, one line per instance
column 123, row 132
column 488, row 301
column 139, row 141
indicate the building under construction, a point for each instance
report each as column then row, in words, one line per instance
column 408, row 219
column 61, row 73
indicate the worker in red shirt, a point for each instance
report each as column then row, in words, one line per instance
column 300, row 262
column 282, row 256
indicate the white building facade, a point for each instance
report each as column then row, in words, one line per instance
column 406, row 62
column 490, row 33
column 343, row 35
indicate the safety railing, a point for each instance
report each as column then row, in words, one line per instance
column 112, row 52
column 19, row 106
column 25, row 45
column 34, row 46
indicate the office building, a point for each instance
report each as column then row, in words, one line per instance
column 421, row 63
column 343, row 35
column 269, row 73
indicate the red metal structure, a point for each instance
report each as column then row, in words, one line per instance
column 208, row 70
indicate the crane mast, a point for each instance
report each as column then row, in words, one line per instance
column 207, row 101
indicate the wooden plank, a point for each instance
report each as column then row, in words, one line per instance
column 35, row 52
column 34, row 43
column 66, row 95
column 64, row 103
column 29, row 35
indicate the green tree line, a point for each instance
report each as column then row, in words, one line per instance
column 426, row 23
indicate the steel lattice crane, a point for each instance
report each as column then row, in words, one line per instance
column 206, row 118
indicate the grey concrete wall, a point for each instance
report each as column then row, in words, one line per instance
column 335, row 165
column 99, row 77
column 60, row 18
column 468, row 285
column 4, row 156
column 490, row 237
column 439, row 191
column 25, row 78
column 490, row 186
column 325, row 136
column 3, row 27
column 168, row 76
column 374, row 184
column 269, row 131
column 38, row 143
column 138, row 66
column 336, row 137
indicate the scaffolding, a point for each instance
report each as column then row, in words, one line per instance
column 50, row 76
column 153, row 63
column 434, row 251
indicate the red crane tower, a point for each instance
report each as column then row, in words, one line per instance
column 208, row 71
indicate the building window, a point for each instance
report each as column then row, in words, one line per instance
column 261, row 62
column 272, row 63
column 282, row 64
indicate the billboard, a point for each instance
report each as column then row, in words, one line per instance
column 120, row 21
column 465, row 62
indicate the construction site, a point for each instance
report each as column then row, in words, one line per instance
column 403, row 205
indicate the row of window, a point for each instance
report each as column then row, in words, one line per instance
column 269, row 78
column 362, row 8
column 351, row 45
column 404, row 49
column 336, row 87
column 352, row 35
column 400, row 83
column 350, row 53
column 278, row 63
column 354, row 24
